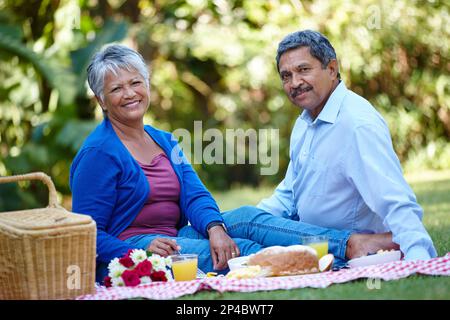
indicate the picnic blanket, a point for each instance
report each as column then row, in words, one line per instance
column 169, row 290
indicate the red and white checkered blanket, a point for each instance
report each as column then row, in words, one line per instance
column 170, row 290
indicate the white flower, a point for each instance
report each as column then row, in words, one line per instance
column 138, row 255
column 117, row 271
column 160, row 263
column 168, row 261
column 145, row 280
column 160, row 268
column 169, row 275
column 154, row 259
column 114, row 262
column 157, row 261
column 117, row 282
column 115, row 268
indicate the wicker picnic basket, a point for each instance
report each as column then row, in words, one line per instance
column 46, row 253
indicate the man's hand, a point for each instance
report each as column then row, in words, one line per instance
column 222, row 247
column 163, row 246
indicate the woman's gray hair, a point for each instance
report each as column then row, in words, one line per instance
column 318, row 44
column 111, row 58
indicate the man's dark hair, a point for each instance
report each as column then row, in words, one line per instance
column 318, row 44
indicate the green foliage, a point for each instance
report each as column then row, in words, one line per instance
column 112, row 31
column 214, row 61
column 46, row 112
column 56, row 77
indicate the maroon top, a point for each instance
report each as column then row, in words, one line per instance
column 161, row 211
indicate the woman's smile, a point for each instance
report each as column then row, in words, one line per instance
column 132, row 104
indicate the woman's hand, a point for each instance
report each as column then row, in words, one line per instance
column 163, row 246
column 222, row 247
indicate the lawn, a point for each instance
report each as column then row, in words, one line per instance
column 432, row 189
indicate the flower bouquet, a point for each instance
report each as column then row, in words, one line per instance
column 138, row 267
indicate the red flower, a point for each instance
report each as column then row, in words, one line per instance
column 158, row 276
column 130, row 278
column 126, row 262
column 128, row 253
column 107, row 282
column 144, row 268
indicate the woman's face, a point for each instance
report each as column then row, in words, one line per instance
column 126, row 96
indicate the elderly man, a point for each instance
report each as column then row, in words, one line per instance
column 343, row 172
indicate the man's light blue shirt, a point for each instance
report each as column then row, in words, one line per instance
column 344, row 174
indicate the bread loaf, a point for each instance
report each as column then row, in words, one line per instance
column 286, row 261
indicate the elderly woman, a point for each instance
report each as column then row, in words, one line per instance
column 124, row 177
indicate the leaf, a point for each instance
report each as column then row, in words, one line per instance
column 74, row 133
column 14, row 31
column 56, row 76
column 112, row 31
column 37, row 155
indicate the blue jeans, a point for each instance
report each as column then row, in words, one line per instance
column 252, row 229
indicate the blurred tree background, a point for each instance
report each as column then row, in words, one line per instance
column 214, row 61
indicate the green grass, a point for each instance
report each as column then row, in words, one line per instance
column 433, row 193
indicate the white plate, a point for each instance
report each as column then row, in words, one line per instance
column 375, row 259
column 237, row 263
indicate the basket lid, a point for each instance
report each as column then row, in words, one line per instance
column 44, row 218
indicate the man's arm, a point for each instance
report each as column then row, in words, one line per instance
column 374, row 169
column 281, row 203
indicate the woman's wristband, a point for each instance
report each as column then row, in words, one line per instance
column 216, row 223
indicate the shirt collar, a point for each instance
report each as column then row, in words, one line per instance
column 331, row 108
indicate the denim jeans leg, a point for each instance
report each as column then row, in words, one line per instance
column 255, row 224
column 188, row 231
column 142, row 241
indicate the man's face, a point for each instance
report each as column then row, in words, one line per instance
column 305, row 82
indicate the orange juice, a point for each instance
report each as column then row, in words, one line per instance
column 319, row 243
column 320, row 247
column 184, row 270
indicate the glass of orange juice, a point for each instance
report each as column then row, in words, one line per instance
column 184, row 266
column 319, row 243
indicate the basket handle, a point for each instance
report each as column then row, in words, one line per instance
column 52, row 197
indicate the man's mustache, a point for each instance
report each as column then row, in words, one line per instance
column 299, row 90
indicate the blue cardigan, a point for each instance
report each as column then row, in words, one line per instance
column 108, row 184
